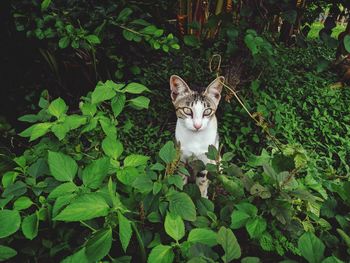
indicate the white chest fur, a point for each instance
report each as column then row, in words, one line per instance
column 196, row 143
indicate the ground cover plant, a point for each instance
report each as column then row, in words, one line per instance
column 89, row 167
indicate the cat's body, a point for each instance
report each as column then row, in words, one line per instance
column 196, row 126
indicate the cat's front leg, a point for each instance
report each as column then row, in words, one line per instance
column 203, row 183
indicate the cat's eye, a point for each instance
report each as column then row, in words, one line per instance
column 187, row 111
column 207, row 112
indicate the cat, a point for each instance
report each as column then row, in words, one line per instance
column 196, row 126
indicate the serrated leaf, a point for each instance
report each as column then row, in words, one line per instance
column 57, row 108
column 94, row 174
column 229, row 243
column 101, row 93
column 256, row 226
column 168, row 152
column 38, row 130
column 239, row 219
column 112, row 147
column 161, row 254
column 99, row 245
column 203, row 236
column 174, row 226
column 311, row 247
column 62, row 167
column 182, row 205
column 125, row 230
column 85, row 207
column 134, row 160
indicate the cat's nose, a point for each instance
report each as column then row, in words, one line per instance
column 197, row 125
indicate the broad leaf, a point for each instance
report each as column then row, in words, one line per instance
column 10, row 222
column 168, row 152
column 311, row 247
column 30, row 226
column 135, row 88
column 39, row 130
column 256, row 226
column 141, row 102
column 125, row 230
column 22, row 203
column 112, row 147
column 161, row 254
column 57, row 108
column 203, row 236
column 182, row 205
column 85, row 207
column 229, row 243
column 347, row 43
column 238, row 219
column 99, row 245
column 174, row 226
column 63, row 189
column 6, row 253
column 135, row 160
column 94, row 174
column 118, row 103
column 101, row 93
column 62, row 166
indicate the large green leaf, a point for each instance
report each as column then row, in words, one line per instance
column 239, row 219
column 22, row 203
column 63, row 189
column 79, row 256
column 256, row 226
column 30, row 226
column 168, row 152
column 247, row 208
column 10, row 222
column 85, row 207
column 141, row 102
column 118, row 103
column 135, row 88
column 101, row 93
column 203, row 236
column 99, row 245
column 94, row 174
column 182, row 205
column 311, row 247
column 125, row 230
column 347, row 43
column 229, row 243
column 135, row 160
column 112, row 147
column 57, row 108
column 38, row 130
column 174, row 226
column 161, row 254
column 6, row 253
column 62, row 166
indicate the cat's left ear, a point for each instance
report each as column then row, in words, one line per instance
column 214, row 89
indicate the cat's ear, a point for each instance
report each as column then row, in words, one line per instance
column 178, row 87
column 214, row 89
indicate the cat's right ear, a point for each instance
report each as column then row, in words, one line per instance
column 178, row 87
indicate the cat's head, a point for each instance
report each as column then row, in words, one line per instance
column 195, row 108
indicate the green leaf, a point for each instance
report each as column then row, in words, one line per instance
column 60, row 130
column 238, row 219
column 22, row 203
column 247, row 208
column 45, row 4
column 347, row 43
column 79, row 256
column 6, row 253
column 229, row 243
column 31, row 118
column 135, row 160
column 93, row 39
column 311, row 247
column 112, row 147
column 85, row 207
column 127, row 175
column 332, row 259
column 135, row 88
column 30, row 226
column 38, row 130
column 10, row 222
column 182, row 205
column 94, row 174
column 63, row 189
column 168, row 152
column 62, row 166
column 101, row 93
column 124, row 14
column 256, row 226
column 57, row 108
column 203, row 236
column 257, row 260
column 174, row 226
column 140, row 102
column 64, row 42
column 125, row 231
column 191, row 40
column 118, row 103
column 161, row 254
column 99, row 245
column 74, row 121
